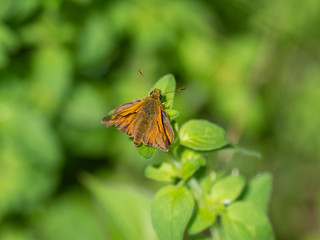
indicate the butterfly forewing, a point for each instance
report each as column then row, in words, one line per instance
column 123, row 117
column 126, row 106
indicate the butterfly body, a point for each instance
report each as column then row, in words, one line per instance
column 144, row 120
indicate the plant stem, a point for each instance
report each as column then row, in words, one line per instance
column 194, row 185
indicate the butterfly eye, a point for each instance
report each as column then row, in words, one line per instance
column 151, row 92
column 160, row 96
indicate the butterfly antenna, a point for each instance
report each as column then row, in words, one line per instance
column 175, row 90
column 144, row 78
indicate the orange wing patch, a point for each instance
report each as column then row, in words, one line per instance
column 126, row 106
column 160, row 134
column 124, row 117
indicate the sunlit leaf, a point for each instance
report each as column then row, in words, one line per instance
column 243, row 221
column 204, row 218
column 227, row 189
column 172, row 114
column 171, row 211
column 165, row 172
column 191, row 161
column 202, row 135
column 167, row 84
column 123, row 208
column 146, row 151
column 259, row 190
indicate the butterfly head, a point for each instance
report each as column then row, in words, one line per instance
column 156, row 93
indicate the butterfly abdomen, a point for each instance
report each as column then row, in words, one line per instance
column 140, row 131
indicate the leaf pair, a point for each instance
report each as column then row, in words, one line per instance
column 174, row 208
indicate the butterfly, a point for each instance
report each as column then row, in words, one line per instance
column 144, row 120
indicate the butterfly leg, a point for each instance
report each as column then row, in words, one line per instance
column 164, row 105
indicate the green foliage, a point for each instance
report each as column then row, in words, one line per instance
column 226, row 190
column 249, row 66
column 204, row 217
column 71, row 209
column 245, row 222
column 165, row 172
column 202, row 135
column 167, row 84
column 171, row 211
column 146, row 151
column 174, row 208
column 122, row 209
column 259, row 190
column 172, row 114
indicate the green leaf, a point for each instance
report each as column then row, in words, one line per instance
column 207, row 182
column 172, row 114
column 227, row 189
column 202, row 135
column 187, row 154
column 243, row 221
column 259, row 190
column 167, row 84
column 218, row 232
column 111, row 111
column 124, row 209
column 203, row 219
column 191, row 161
column 189, row 168
column 165, row 173
column 171, row 211
column 146, row 151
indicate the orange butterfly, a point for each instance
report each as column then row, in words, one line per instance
column 144, row 120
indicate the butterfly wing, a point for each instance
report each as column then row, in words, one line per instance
column 126, row 106
column 160, row 133
column 124, row 117
column 167, row 126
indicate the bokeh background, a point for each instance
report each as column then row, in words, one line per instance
column 253, row 67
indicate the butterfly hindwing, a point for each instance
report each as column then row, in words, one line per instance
column 167, row 126
column 160, row 133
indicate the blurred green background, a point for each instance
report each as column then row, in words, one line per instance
column 253, row 67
